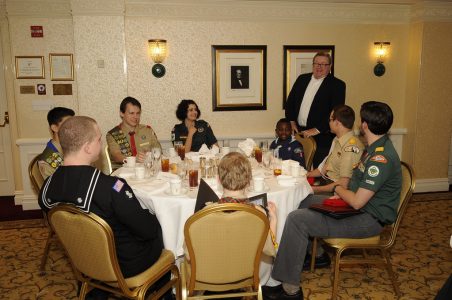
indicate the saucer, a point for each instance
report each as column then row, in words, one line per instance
column 183, row 192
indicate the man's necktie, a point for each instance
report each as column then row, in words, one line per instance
column 132, row 143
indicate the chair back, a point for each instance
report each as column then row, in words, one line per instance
column 406, row 192
column 89, row 243
column 225, row 243
column 108, row 159
column 34, row 173
column 309, row 148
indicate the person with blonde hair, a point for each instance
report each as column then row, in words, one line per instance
column 234, row 172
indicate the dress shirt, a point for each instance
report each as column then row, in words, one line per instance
column 308, row 97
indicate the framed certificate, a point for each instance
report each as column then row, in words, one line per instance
column 61, row 67
column 30, row 67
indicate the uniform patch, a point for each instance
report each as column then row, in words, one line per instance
column 370, row 181
column 373, row 171
column 352, row 141
column 144, row 144
column 118, row 185
column 297, row 150
column 201, row 129
column 379, row 158
column 379, row 149
column 143, row 137
column 353, row 149
column 129, row 194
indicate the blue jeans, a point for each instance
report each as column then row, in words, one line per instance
column 304, row 223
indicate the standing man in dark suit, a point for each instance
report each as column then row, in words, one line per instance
column 310, row 102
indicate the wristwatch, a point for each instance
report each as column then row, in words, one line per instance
column 334, row 188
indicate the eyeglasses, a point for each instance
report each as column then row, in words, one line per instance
column 320, row 65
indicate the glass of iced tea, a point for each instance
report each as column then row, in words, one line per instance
column 165, row 164
column 258, row 154
column 193, row 178
column 181, row 151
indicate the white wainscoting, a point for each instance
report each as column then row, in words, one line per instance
column 29, row 148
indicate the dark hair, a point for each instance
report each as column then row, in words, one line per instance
column 182, row 109
column 56, row 114
column 282, row 121
column 327, row 55
column 128, row 100
column 378, row 116
column 345, row 115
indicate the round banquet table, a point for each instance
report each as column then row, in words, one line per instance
column 172, row 211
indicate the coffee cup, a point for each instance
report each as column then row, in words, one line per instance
column 295, row 170
column 139, row 172
column 129, row 161
column 258, row 183
column 175, row 186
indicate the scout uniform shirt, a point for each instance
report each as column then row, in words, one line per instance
column 120, row 137
column 50, row 159
column 289, row 149
column 203, row 135
column 345, row 154
column 379, row 170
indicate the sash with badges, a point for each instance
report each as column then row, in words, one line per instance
column 121, row 140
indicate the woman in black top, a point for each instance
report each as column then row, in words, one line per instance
column 191, row 131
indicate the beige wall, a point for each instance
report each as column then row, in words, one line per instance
column 434, row 121
column 98, row 32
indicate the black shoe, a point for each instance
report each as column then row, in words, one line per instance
column 322, row 261
column 278, row 293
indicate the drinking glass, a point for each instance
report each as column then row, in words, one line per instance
column 156, row 152
column 180, row 148
column 148, row 164
column 266, row 158
column 277, row 167
column 165, row 164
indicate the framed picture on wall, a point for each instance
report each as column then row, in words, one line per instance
column 61, row 67
column 297, row 61
column 239, row 78
column 30, row 67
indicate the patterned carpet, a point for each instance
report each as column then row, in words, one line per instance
column 422, row 260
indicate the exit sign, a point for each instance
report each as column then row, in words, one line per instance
column 37, row 31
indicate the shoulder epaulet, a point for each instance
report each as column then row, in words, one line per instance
column 114, row 129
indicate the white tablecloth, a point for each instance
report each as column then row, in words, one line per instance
column 173, row 211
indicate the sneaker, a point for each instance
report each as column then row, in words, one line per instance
column 278, row 293
column 322, row 261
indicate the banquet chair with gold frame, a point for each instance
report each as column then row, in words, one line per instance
column 224, row 244
column 108, row 159
column 37, row 181
column 309, row 148
column 90, row 245
column 382, row 243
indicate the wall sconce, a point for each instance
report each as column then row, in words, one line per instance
column 381, row 52
column 158, row 52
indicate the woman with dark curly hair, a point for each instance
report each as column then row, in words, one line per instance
column 191, row 131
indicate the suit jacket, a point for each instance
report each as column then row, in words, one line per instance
column 331, row 93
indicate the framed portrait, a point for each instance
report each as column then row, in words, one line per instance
column 61, row 67
column 298, row 60
column 239, row 78
column 30, row 67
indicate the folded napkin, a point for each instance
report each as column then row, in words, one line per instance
column 175, row 159
column 214, row 150
column 204, row 149
column 155, row 186
column 247, row 146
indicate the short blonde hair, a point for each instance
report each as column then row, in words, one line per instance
column 234, row 171
column 75, row 132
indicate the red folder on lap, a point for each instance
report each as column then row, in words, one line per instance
column 335, row 208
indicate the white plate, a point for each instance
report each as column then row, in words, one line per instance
column 183, row 192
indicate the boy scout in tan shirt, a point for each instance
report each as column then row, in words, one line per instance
column 345, row 152
column 130, row 138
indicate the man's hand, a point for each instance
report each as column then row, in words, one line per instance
column 310, row 132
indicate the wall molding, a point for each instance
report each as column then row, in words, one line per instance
column 234, row 10
column 432, row 185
